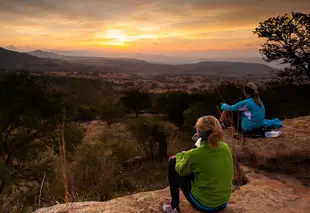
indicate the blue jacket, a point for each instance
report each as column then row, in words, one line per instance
column 252, row 115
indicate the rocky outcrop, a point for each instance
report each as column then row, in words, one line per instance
column 288, row 154
column 265, row 192
column 262, row 194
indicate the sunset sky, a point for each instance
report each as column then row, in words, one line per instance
column 171, row 27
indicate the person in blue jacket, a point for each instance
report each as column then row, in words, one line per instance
column 251, row 110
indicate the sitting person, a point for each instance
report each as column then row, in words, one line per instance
column 252, row 111
column 204, row 174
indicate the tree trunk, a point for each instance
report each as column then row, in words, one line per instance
column 308, row 71
column 2, row 185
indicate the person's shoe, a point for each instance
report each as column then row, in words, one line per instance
column 168, row 209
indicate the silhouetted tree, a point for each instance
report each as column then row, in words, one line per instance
column 30, row 112
column 136, row 100
column 175, row 104
column 288, row 41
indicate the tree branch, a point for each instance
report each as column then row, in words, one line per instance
column 23, row 144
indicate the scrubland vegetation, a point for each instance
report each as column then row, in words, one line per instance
column 76, row 139
column 114, row 146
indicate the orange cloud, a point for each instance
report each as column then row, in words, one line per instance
column 161, row 26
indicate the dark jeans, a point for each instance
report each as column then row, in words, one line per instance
column 177, row 182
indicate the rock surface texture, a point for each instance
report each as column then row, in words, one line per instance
column 262, row 194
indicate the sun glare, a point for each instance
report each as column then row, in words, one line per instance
column 117, row 37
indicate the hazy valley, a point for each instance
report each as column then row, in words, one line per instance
column 125, row 73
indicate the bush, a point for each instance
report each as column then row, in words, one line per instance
column 136, row 101
column 86, row 113
column 151, row 136
column 112, row 113
column 281, row 100
column 175, row 104
column 286, row 100
column 228, row 92
column 191, row 115
column 93, row 174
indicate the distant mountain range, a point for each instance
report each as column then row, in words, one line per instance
column 171, row 60
column 49, row 61
column 12, row 60
column 42, row 54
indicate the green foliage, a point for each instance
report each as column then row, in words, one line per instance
column 285, row 100
column 86, row 113
column 90, row 93
column 136, row 101
column 82, row 91
column 174, row 104
column 112, row 113
column 97, row 172
column 73, row 135
column 192, row 114
column 96, row 169
column 227, row 92
column 151, row 136
column 30, row 111
column 208, row 103
column 93, row 174
column 279, row 98
column 288, row 40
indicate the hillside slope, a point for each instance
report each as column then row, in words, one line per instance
column 228, row 68
column 43, row 54
column 12, row 60
column 280, row 189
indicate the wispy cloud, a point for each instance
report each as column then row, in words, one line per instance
column 173, row 25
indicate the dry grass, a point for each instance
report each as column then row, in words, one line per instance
column 118, row 143
column 101, row 133
column 97, row 172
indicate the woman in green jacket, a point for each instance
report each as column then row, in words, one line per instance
column 204, row 174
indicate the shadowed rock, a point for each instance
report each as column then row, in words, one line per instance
column 262, row 194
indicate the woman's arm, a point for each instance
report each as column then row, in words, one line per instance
column 240, row 106
column 182, row 166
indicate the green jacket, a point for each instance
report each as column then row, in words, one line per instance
column 213, row 173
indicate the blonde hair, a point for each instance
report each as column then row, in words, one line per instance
column 211, row 129
column 251, row 89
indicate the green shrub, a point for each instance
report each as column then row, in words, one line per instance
column 151, row 136
column 112, row 113
column 86, row 113
column 136, row 101
column 191, row 115
column 92, row 173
